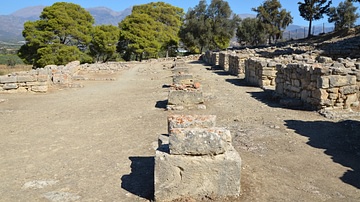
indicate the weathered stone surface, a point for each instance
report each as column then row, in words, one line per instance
column 191, row 121
column 185, row 97
column 180, row 70
column 26, row 78
column 8, row 79
column 338, row 81
column 183, row 79
column 10, row 86
column 178, row 176
column 199, row 141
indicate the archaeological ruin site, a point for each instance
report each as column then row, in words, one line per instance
column 275, row 123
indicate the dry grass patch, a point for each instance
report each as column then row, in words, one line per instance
column 4, row 69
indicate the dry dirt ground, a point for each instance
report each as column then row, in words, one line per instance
column 97, row 143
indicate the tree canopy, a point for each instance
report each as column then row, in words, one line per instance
column 61, row 35
column 209, row 26
column 344, row 15
column 312, row 10
column 251, row 32
column 274, row 19
column 150, row 29
column 104, row 42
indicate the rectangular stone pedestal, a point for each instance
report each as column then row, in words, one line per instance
column 180, row 176
column 185, row 97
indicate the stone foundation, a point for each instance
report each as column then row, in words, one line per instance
column 196, row 162
column 260, row 72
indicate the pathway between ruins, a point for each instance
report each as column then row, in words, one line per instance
column 97, row 143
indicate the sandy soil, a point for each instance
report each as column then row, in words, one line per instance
column 97, row 143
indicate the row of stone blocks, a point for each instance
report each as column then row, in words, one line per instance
column 184, row 92
column 195, row 160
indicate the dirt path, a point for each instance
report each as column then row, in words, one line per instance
column 96, row 143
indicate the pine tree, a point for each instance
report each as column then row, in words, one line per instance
column 274, row 20
column 344, row 16
column 312, row 10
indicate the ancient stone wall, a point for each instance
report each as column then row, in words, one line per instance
column 260, row 72
column 39, row 80
column 224, row 60
column 214, row 58
column 321, row 85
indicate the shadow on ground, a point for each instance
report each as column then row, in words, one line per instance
column 140, row 181
column 161, row 104
column 341, row 141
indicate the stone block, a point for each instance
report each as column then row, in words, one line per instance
column 10, row 86
column 180, row 70
column 191, row 121
column 349, row 89
column 43, row 77
column 183, row 79
column 26, row 78
column 338, row 81
column 7, row 79
column 178, row 176
column 199, row 141
column 185, row 97
column 323, row 82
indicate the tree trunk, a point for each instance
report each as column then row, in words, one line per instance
column 309, row 32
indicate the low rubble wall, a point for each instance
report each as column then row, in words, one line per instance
column 39, row 80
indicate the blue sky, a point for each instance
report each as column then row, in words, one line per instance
column 238, row 6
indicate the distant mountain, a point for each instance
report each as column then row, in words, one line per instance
column 246, row 15
column 105, row 16
column 11, row 26
column 32, row 12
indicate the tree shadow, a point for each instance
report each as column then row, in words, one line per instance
column 161, row 104
column 239, row 82
column 140, row 181
column 341, row 141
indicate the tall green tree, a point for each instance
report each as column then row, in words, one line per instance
column 344, row 15
column 274, row 19
column 251, row 32
column 63, row 29
column 150, row 29
column 104, row 42
column 312, row 10
column 223, row 23
column 209, row 26
column 196, row 31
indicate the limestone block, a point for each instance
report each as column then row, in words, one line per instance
column 43, row 77
column 178, row 176
column 26, row 78
column 183, row 79
column 191, row 121
column 185, row 97
column 10, row 86
column 7, row 79
column 180, row 70
column 323, row 82
column 338, row 81
column 350, row 99
column 199, row 141
column 349, row 89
